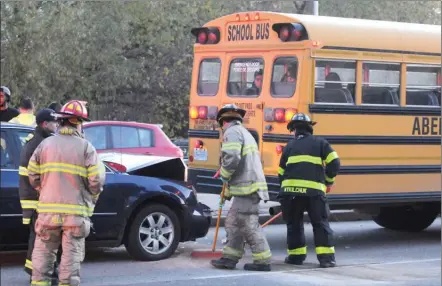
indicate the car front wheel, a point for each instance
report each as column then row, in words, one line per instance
column 154, row 234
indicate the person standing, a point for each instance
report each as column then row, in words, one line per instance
column 6, row 112
column 46, row 126
column 241, row 171
column 307, row 171
column 64, row 210
column 26, row 116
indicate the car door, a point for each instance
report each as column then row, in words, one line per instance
column 10, row 209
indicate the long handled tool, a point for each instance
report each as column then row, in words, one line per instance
column 271, row 220
column 224, row 241
column 213, row 253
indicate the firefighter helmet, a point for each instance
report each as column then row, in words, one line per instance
column 230, row 111
column 74, row 109
column 6, row 92
column 299, row 118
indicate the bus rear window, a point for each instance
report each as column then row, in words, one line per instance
column 285, row 73
column 245, row 77
column 208, row 79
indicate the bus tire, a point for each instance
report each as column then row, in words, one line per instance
column 406, row 218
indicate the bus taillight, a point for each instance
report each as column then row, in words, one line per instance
column 206, row 35
column 202, row 37
column 289, row 112
column 203, row 112
column 199, row 144
column 284, row 33
column 193, row 112
column 290, row 32
column 278, row 114
column 279, row 149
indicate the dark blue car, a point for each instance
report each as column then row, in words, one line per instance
column 149, row 215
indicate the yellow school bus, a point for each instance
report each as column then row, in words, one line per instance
column 374, row 87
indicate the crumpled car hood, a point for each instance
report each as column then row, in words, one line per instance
column 146, row 165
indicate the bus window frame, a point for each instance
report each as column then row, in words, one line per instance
column 398, row 86
column 273, row 72
column 199, row 76
column 415, row 86
column 228, row 77
column 355, row 61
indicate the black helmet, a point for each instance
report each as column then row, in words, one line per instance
column 299, row 118
column 7, row 92
column 230, row 111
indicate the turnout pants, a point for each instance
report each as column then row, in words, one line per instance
column 31, row 242
column 293, row 214
column 53, row 230
column 241, row 225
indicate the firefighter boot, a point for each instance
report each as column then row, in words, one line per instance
column 223, row 263
column 257, row 267
column 292, row 260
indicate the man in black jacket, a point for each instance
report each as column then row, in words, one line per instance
column 6, row 112
column 46, row 126
column 307, row 170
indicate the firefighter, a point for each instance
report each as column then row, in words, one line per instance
column 307, row 170
column 242, row 171
column 46, row 126
column 67, row 173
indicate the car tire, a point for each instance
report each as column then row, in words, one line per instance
column 146, row 239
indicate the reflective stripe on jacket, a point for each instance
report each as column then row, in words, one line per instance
column 67, row 173
column 308, row 165
column 25, row 119
column 241, row 163
column 28, row 195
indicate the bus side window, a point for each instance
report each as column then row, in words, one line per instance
column 285, row 74
column 208, row 78
column 245, row 77
column 380, row 83
column 423, row 85
column 335, row 81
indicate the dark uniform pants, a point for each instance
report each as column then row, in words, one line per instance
column 293, row 214
column 31, row 242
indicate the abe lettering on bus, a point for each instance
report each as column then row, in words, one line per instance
column 248, row 32
column 427, row 126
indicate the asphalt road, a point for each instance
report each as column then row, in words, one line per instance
column 366, row 255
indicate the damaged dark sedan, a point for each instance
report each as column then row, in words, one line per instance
column 146, row 204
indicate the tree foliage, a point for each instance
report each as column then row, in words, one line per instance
column 132, row 60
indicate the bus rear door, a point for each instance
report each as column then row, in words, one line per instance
column 245, row 89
